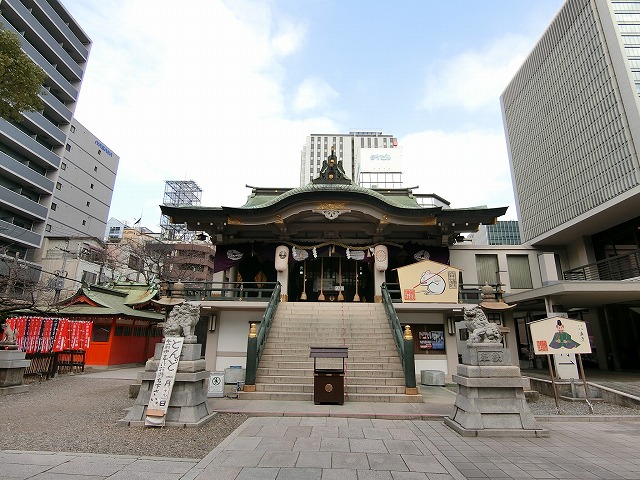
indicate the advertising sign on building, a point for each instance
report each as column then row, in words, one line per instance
column 559, row 335
column 428, row 282
column 380, row 160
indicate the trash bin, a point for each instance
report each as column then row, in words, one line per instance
column 328, row 383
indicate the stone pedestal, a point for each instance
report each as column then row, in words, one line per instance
column 491, row 400
column 12, row 367
column 188, row 402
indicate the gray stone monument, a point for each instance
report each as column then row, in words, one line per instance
column 490, row 400
column 188, row 402
column 12, row 364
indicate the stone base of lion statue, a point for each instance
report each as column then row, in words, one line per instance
column 491, row 400
column 188, row 402
column 12, row 368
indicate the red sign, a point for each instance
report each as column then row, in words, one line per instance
column 543, row 346
column 409, row 294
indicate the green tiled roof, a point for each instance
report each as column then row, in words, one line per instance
column 261, row 199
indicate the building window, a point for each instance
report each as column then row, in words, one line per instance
column 67, row 147
column 47, row 228
column 428, row 339
column 63, row 166
column 58, row 186
column 54, row 206
column 101, row 333
column 89, row 278
column 73, row 129
column 487, row 268
column 519, row 271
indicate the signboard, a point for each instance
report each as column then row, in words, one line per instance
column 163, row 384
column 428, row 282
column 380, row 160
column 216, row 384
column 559, row 335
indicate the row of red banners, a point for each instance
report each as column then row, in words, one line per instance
column 46, row 335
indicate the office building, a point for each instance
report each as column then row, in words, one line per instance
column 84, row 188
column 505, row 232
column 31, row 151
column 572, row 122
column 349, row 149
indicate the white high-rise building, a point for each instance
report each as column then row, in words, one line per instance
column 348, row 147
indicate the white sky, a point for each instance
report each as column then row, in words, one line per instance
column 225, row 92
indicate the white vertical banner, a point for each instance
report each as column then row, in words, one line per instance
column 163, row 384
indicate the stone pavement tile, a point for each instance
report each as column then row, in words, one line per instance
column 219, row 473
column 289, row 421
column 377, row 433
column 383, row 423
column 314, row 459
column 386, row 461
column 349, row 460
column 34, row 458
column 219, row 458
column 307, row 444
column 335, row 445
column 249, row 430
column 276, row 444
column 367, row 446
column 272, row 431
column 337, row 422
column 340, row 474
column 402, row 446
column 350, row 432
column 160, row 466
column 373, row 475
column 325, row 431
column 423, row 463
column 313, row 421
column 474, row 473
column 15, row 470
column 241, row 458
column 265, row 420
column 299, row 474
column 56, row 476
column 279, row 459
column 122, row 475
column 298, row 431
column 250, row 473
column 243, row 443
column 540, row 474
column 409, row 476
column 441, row 476
column 103, row 469
column 360, row 422
column 495, row 473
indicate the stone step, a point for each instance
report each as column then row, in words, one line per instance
column 329, row 364
column 332, row 340
column 355, row 397
column 349, row 388
column 380, row 351
column 354, row 356
column 308, row 380
column 353, row 373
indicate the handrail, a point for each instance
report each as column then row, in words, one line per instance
column 394, row 322
column 257, row 339
column 404, row 342
column 620, row 267
column 217, row 291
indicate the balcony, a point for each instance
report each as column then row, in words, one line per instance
column 621, row 267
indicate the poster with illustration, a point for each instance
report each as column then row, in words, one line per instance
column 429, row 282
column 559, row 335
column 432, row 340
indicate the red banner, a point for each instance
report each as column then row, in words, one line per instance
column 46, row 335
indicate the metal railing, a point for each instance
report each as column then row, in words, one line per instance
column 620, row 267
column 234, row 291
column 258, row 338
column 403, row 344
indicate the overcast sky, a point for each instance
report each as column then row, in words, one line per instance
column 225, row 92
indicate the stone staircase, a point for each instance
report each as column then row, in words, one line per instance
column 373, row 371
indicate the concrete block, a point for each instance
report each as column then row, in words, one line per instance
column 432, row 377
column 477, row 371
column 234, row 375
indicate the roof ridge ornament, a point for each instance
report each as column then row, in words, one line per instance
column 332, row 171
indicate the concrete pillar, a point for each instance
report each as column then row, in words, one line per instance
column 381, row 263
column 282, row 267
column 233, row 276
column 548, row 270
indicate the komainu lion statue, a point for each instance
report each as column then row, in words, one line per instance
column 480, row 329
column 182, row 322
